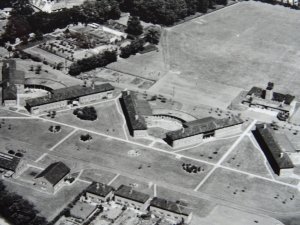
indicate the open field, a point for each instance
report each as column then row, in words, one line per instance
column 97, row 175
column 6, row 113
column 48, row 205
column 144, row 187
column 252, row 192
column 210, row 151
column 217, row 55
column 30, row 136
column 229, row 216
column 154, row 166
column 248, row 158
column 109, row 120
column 48, row 76
column 149, row 65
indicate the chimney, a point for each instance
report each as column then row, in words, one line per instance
column 269, row 91
column 93, row 85
column 136, row 117
column 97, row 186
column 265, row 126
column 281, row 155
column 131, row 190
column 49, row 94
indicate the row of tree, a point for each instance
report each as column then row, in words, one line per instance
column 22, row 24
column 166, row 12
column 93, row 62
column 17, row 210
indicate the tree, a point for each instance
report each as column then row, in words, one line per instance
column 152, row 34
column 134, row 26
column 39, row 35
column 135, row 46
column 203, row 5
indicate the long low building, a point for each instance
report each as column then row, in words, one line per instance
column 279, row 160
column 196, row 131
column 12, row 83
column 98, row 193
column 11, row 165
column 60, row 98
column 135, row 110
column 170, row 210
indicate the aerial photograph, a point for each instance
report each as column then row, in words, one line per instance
column 149, row 112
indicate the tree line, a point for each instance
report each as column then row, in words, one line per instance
column 93, row 62
column 18, row 211
column 166, row 12
column 23, row 21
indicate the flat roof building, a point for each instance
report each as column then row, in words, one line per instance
column 278, row 159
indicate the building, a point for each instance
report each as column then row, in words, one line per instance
column 196, row 131
column 12, row 83
column 170, row 210
column 135, row 111
column 125, row 195
column 279, row 160
column 287, row 147
column 267, row 99
column 60, row 98
column 11, row 165
column 98, row 193
column 52, row 178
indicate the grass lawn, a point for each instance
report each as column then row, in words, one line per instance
column 252, row 192
column 150, row 164
column 48, row 205
column 218, row 55
column 210, row 151
column 97, row 175
column 248, row 158
column 48, row 75
column 138, row 185
column 29, row 136
column 109, row 120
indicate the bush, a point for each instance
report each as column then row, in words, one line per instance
column 86, row 113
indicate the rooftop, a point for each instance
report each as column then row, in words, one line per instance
column 9, row 162
column 169, row 206
column 99, row 189
column 69, row 93
column 282, row 159
column 54, row 172
column 128, row 193
column 204, row 125
column 136, row 109
column 278, row 97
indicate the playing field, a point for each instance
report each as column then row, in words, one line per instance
column 213, row 57
column 150, row 164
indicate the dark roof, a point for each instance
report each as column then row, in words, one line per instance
column 136, row 109
column 11, row 74
column 128, row 193
column 204, row 125
column 267, row 134
column 260, row 93
column 54, row 172
column 9, row 162
column 9, row 92
column 169, row 206
column 69, row 93
column 99, row 189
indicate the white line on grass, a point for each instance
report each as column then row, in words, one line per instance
column 112, row 180
column 217, row 165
